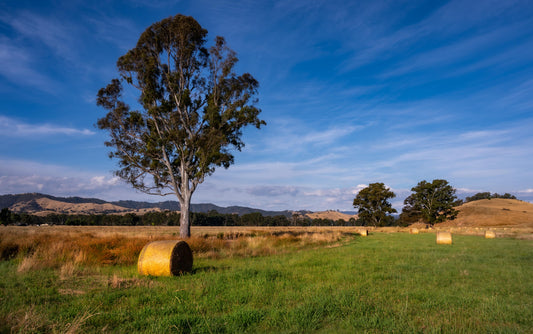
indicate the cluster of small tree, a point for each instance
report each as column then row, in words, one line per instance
column 488, row 195
column 167, row 218
column 431, row 203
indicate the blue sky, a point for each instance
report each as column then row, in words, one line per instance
column 354, row 92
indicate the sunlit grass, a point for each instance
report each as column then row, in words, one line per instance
column 393, row 282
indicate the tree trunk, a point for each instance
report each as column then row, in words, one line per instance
column 185, row 225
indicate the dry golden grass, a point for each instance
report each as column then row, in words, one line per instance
column 68, row 249
column 333, row 215
column 497, row 212
column 27, row 320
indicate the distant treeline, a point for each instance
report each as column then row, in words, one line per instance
column 488, row 195
column 168, row 218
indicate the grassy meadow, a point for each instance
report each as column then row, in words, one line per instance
column 261, row 280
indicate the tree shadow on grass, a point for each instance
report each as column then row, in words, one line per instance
column 207, row 269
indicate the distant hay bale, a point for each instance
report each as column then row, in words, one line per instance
column 165, row 258
column 363, row 232
column 444, row 238
column 490, row 234
column 413, row 230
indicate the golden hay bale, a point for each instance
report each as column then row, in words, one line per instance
column 413, row 230
column 444, row 238
column 363, row 233
column 165, row 258
column 490, row 234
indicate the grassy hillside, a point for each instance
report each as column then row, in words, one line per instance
column 495, row 212
column 332, row 215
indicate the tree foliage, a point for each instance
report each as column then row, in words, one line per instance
column 432, row 202
column 192, row 108
column 171, row 218
column 488, row 195
column 5, row 216
column 373, row 204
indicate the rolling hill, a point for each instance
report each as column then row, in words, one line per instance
column 482, row 213
column 494, row 212
column 330, row 214
column 42, row 204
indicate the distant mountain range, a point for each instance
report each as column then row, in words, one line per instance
column 41, row 204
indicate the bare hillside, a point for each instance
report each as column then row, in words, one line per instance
column 495, row 212
column 330, row 214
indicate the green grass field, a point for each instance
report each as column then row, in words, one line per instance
column 393, row 282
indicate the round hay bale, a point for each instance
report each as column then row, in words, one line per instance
column 444, row 238
column 490, row 234
column 363, row 233
column 414, row 230
column 165, row 258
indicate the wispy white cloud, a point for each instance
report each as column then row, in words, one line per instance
column 469, row 50
column 14, row 128
column 50, row 31
column 22, row 176
column 269, row 191
column 19, row 67
column 449, row 21
column 120, row 31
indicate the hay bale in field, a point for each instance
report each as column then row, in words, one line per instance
column 490, row 234
column 165, row 258
column 363, row 232
column 444, row 238
column 413, row 230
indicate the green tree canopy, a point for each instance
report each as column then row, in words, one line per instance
column 5, row 216
column 192, row 109
column 373, row 204
column 433, row 202
column 488, row 195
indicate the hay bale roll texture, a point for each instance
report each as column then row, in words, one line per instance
column 444, row 238
column 413, row 230
column 490, row 234
column 165, row 258
column 363, row 233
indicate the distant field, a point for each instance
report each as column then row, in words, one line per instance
column 288, row 280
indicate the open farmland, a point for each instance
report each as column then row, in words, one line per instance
column 266, row 280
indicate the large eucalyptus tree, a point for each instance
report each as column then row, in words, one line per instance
column 189, row 116
column 433, row 202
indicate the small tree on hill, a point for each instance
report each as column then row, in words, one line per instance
column 373, row 204
column 433, row 202
column 193, row 108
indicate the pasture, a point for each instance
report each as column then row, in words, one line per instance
column 287, row 280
